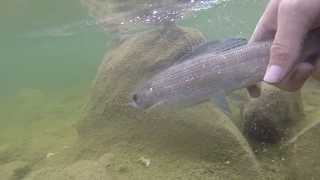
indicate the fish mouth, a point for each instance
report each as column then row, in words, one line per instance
column 133, row 104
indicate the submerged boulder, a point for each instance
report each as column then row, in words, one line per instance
column 304, row 145
column 305, row 151
column 272, row 116
column 283, row 129
column 193, row 142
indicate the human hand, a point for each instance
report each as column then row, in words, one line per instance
column 288, row 21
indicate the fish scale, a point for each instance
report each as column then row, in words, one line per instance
column 211, row 78
column 206, row 75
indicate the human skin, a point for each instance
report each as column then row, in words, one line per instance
column 288, row 22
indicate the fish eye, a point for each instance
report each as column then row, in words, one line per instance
column 135, row 97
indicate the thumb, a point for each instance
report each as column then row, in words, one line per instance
column 293, row 26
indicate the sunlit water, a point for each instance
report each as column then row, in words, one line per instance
column 51, row 50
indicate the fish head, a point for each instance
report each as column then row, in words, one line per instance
column 143, row 98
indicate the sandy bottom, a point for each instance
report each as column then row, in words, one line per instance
column 37, row 127
column 37, row 131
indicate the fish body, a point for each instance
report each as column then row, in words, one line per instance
column 212, row 75
column 213, row 46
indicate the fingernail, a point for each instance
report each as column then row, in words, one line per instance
column 273, row 74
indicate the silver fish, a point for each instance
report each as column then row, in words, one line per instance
column 212, row 75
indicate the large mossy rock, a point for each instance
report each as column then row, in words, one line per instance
column 273, row 116
column 193, row 142
column 285, row 128
column 305, row 148
column 305, row 144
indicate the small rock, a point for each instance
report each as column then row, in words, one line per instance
column 145, row 161
column 107, row 160
column 49, row 154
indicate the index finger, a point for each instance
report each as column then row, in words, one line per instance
column 265, row 29
column 267, row 25
column 295, row 19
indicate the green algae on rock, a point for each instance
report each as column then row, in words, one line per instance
column 272, row 116
column 192, row 135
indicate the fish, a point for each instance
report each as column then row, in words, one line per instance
column 212, row 71
column 213, row 46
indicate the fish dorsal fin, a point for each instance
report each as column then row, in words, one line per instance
column 212, row 46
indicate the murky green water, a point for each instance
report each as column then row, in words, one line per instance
column 49, row 58
column 48, row 63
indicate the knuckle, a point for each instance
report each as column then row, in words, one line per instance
column 279, row 53
column 294, row 6
column 271, row 27
column 288, row 5
column 316, row 72
column 288, row 86
column 316, row 76
column 307, row 10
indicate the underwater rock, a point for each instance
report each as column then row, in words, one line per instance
column 293, row 118
column 82, row 170
column 306, row 154
column 107, row 159
column 304, row 146
column 175, row 140
column 271, row 116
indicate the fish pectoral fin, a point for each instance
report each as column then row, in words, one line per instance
column 156, row 107
column 239, row 98
column 220, row 99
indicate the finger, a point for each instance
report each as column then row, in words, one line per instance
column 267, row 24
column 265, row 29
column 296, row 78
column 254, row 91
column 316, row 71
column 294, row 22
